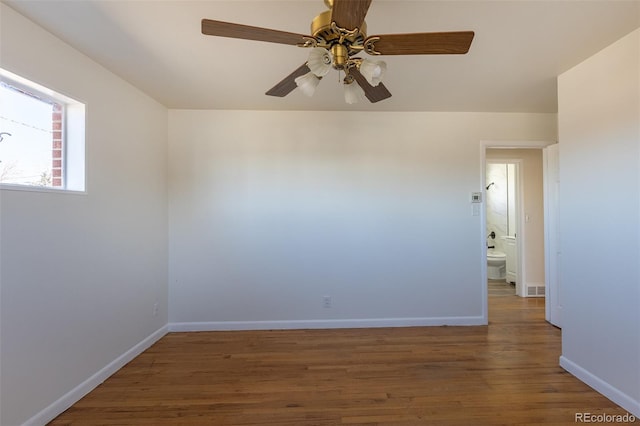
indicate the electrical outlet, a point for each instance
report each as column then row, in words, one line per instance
column 155, row 309
column 326, row 301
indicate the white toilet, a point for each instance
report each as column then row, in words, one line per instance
column 496, row 265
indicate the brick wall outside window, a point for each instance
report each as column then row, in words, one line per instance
column 43, row 136
column 57, row 146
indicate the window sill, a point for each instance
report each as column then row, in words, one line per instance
column 28, row 188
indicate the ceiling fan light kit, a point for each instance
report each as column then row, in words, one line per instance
column 373, row 71
column 352, row 91
column 308, row 83
column 319, row 61
column 337, row 35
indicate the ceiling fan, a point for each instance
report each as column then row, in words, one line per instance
column 337, row 35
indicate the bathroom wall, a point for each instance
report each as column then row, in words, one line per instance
column 497, row 203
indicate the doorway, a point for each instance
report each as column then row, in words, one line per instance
column 528, row 225
column 503, row 203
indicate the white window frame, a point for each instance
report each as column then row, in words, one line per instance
column 73, row 136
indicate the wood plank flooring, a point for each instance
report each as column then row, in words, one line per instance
column 504, row 374
column 501, row 288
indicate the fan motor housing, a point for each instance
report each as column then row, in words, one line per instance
column 325, row 33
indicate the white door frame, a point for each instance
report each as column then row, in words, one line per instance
column 484, row 145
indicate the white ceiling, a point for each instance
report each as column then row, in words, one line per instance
column 519, row 48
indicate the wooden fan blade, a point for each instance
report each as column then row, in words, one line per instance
column 246, row 32
column 422, row 43
column 349, row 14
column 287, row 85
column 373, row 93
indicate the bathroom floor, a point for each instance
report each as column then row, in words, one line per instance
column 501, row 288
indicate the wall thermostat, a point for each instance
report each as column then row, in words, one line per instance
column 476, row 197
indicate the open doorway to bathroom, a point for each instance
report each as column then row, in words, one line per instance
column 514, row 212
column 503, row 205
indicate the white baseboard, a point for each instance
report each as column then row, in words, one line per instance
column 73, row 396
column 315, row 324
column 614, row 394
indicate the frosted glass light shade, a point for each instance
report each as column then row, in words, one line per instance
column 373, row 71
column 307, row 83
column 319, row 61
column 352, row 93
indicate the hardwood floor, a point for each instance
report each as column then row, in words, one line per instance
column 503, row 374
column 501, row 288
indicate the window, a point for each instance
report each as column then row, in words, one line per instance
column 41, row 137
